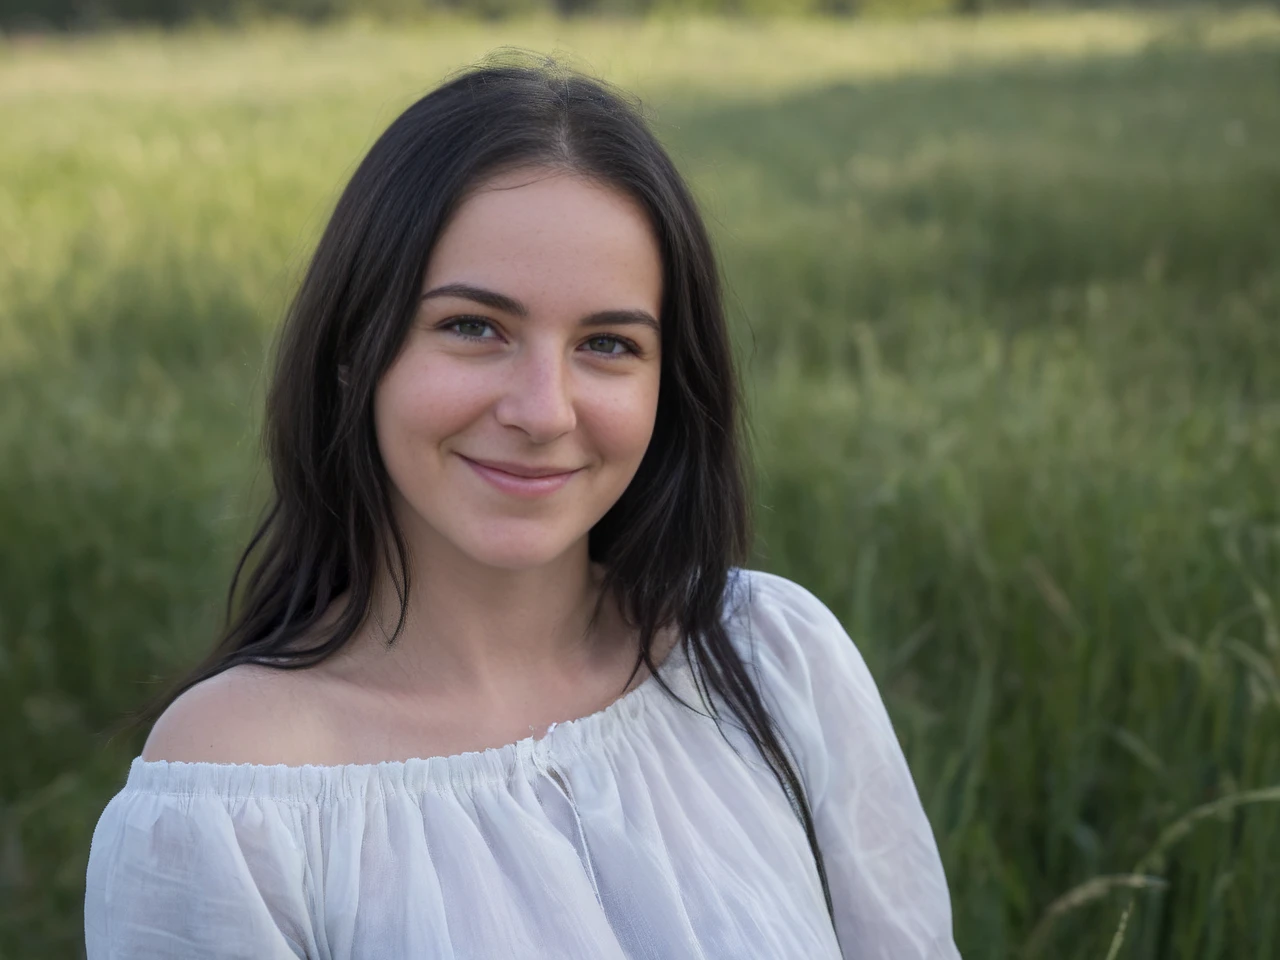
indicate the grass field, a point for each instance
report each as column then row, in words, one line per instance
column 1008, row 299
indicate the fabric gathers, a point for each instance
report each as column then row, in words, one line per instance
column 639, row 832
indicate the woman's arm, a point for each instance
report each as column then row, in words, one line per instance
column 887, row 883
column 197, row 877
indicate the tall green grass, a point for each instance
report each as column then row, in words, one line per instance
column 1008, row 297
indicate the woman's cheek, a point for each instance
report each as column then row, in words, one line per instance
column 624, row 427
column 433, row 397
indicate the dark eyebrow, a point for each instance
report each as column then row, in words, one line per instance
column 500, row 301
column 494, row 301
column 619, row 318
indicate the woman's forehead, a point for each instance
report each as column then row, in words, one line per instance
column 546, row 236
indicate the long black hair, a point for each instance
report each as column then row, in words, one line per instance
column 669, row 543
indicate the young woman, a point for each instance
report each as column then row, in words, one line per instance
column 495, row 686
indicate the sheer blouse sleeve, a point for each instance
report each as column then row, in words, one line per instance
column 196, row 876
column 887, row 883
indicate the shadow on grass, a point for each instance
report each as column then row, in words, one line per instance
column 1041, row 197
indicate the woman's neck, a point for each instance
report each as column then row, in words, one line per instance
column 485, row 630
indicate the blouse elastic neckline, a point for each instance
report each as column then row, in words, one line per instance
column 452, row 773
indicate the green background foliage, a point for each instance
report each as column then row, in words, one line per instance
column 1007, row 296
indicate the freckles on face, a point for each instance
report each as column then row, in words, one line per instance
column 524, row 396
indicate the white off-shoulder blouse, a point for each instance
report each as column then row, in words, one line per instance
column 635, row 832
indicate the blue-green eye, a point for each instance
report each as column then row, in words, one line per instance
column 472, row 328
column 609, row 346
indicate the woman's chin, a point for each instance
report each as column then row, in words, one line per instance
column 516, row 552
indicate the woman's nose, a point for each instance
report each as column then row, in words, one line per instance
column 536, row 396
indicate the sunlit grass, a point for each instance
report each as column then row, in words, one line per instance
column 746, row 58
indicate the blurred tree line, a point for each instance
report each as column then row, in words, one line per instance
column 20, row 15
column 90, row 14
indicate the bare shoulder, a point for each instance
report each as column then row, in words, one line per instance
column 246, row 714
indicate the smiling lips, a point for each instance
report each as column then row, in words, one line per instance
column 518, row 480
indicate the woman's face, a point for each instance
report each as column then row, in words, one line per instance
column 524, row 396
